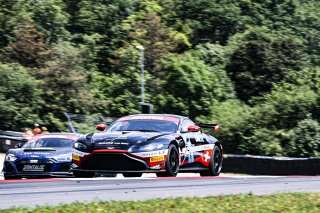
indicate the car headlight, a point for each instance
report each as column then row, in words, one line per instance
column 63, row 158
column 79, row 146
column 10, row 157
column 150, row 147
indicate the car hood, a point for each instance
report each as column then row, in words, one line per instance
column 124, row 140
column 40, row 153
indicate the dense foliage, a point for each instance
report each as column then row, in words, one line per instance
column 253, row 66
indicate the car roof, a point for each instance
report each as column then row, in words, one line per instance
column 170, row 115
column 60, row 133
column 57, row 134
column 135, row 116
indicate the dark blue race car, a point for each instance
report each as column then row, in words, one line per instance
column 43, row 155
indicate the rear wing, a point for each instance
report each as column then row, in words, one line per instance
column 215, row 127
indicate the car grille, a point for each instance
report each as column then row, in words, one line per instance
column 112, row 161
column 47, row 165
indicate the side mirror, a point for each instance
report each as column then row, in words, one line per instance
column 101, row 127
column 216, row 128
column 193, row 128
column 19, row 145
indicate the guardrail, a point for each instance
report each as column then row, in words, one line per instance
column 261, row 165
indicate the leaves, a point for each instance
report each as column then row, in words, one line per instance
column 20, row 98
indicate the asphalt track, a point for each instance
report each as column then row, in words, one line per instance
column 33, row 192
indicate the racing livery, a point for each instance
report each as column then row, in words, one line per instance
column 161, row 143
column 43, row 155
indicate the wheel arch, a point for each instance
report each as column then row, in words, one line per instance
column 175, row 143
column 217, row 143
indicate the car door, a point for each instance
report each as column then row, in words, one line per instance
column 192, row 140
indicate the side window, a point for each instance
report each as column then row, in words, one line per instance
column 185, row 124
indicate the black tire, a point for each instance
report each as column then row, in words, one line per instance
column 12, row 177
column 215, row 164
column 83, row 174
column 132, row 174
column 172, row 163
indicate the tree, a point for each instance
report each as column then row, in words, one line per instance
column 233, row 117
column 65, row 83
column 49, row 16
column 262, row 60
column 267, row 128
column 118, row 93
column 190, row 87
column 306, row 139
column 146, row 29
column 8, row 11
column 216, row 56
column 102, row 18
column 203, row 21
column 157, row 39
column 263, row 141
column 20, row 98
column 29, row 48
column 306, row 21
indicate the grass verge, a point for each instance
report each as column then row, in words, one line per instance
column 287, row 202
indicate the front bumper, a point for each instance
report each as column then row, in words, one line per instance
column 16, row 169
column 119, row 171
column 44, row 174
column 117, row 161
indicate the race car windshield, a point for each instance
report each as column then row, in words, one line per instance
column 144, row 126
column 49, row 142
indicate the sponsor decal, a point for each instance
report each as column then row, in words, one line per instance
column 192, row 149
column 151, row 154
column 75, row 157
column 33, row 161
column 73, row 166
column 156, row 166
column 157, row 158
column 106, row 142
column 113, row 143
column 38, row 168
column 79, row 153
column 36, row 154
column 202, row 147
column 150, row 117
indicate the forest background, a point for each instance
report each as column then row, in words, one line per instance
column 251, row 65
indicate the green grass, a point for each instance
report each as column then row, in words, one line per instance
column 290, row 202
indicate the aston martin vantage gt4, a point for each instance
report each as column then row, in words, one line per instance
column 164, row 144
